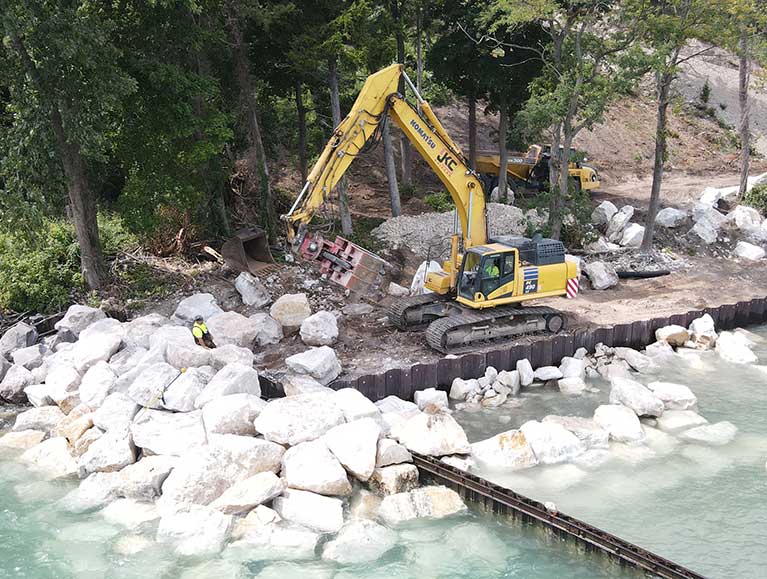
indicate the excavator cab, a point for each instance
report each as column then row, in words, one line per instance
column 487, row 273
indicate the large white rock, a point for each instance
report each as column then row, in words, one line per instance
column 587, row 430
column 674, row 421
column 45, row 418
column 674, row 396
column 601, row 275
column 297, row 419
column 232, row 328
column 165, row 335
column 51, row 456
column 19, row 336
column 293, row 384
column 248, row 493
column 636, row 396
column 703, row 331
column 358, row 542
column 87, row 352
column 231, row 379
column 601, row 245
column 97, row 384
column 130, row 513
column 318, row 512
column 431, row 502
column 749, row 251
column 197, row 532
column 639, row 362
column 526, row 373
column 507, row 450
column 228, row 354
column 354, row 404
column 143, row 479
column 431, row 396
column 30, row 357
column 674, row 335
column 320, row 329
column 734, row 347
column 282, row 541
column 546, row 373
column 139, row 330
column 196, row 305
column 551, row 442
column 39, row 395
column 510, row 380
column 618, row 223
column 571, row 386
column 148, row 387
column 102, row 328
column 572, row 368
column 183, row 392
column 670, row 217
column 290, row 310
column 21, row 440
column 717, row 434
column 620, row 422
column 603, row 213
column 417, row 285
column 393, row 479
column 12, row 387
column 78, row 318
column 355, row 445
column 233, row 414
column 310, row 466
column 252, row 291
column 160, row 432
column 269, row 329
column 116, row 412
column 202, row 474
column 434, row 435
column 632, row 235
column 185, row 356
column 390, row 452
column 743, row 219
column 320, row 363
column 111, row 452
column 395, row 404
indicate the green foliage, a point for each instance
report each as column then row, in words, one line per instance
column 705, row 92
column 441, row 201
column 41, row 272
column 757, row 198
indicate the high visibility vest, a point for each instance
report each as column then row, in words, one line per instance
column 199, row 330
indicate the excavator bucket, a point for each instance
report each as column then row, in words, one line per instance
column 248, row 251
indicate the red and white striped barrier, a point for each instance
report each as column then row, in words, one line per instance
column 573, row 285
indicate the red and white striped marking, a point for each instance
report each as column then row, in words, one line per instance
column 572, row 287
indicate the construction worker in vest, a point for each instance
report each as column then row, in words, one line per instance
column 201, row 334
column 491, row 270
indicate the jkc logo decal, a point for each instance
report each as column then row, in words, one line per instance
column 447, row 160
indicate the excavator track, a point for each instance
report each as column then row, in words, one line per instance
column 398, row 309
column 485, row 327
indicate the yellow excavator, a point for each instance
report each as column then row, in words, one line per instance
column 477, row 297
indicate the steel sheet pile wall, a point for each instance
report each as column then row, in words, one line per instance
column 544, row 351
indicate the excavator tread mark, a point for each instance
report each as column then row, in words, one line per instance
column 438, row 330
column 397, row 310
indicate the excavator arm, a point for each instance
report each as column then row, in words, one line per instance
column 343, row 261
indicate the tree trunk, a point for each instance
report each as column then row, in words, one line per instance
column 555, row 198
column 249, row 111
column 473, row 132
column 81, row 197
column 745, row 110
column 663, row 88
column 419, row 50
column 406, row 154
column 301, row 110
column 335, row 109
column 503, row 129
column 391, row 172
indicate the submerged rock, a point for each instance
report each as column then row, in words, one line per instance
column 51, row 456
column 734, row 347
column 198, row 531
column 634, row 395
column 21, row 440
column 591, row 434
column 317, row 512
column 674, row 396
column 361, row 541
column 550, row 442
column 620, row 422
column 507, row 450
column 677, row 420
column 433, row 502
column 717, row 434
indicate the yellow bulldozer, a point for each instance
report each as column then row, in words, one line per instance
column 481, row 293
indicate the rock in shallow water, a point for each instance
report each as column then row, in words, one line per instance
column 433, row 502
column 198, row 531
column 674, row 396
column 507, row 450
column 433, row 435
column 621, row 422
column 312, row 467
column 674, row 421
column 717, row 434
column 358, row 542
column 636, row 396
column 587, row 430
column 249, row 493
column 317, row 512
column 550, row 442
column 397, row 478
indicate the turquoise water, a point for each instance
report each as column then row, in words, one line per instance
column 704, row 507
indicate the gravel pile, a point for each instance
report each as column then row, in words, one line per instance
column 429, row 233
column 654, row 260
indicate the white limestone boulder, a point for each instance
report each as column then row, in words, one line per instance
column 551, row 442
column 97, row 384
column 139, row 330
column 161, row 432
column 638, row 361
column 675, row 421
column 320, row 363
column 390, row 452
column 16, row 379
column 202, row 304
column 22, row 439
column 636, row 396
column 511, row 380
column 199, row 531
column 232, row 414
column 229, row 354
column 311, row 510
column 143, row 479
column 507, row 450
column 166, row 335
column 717, row 434
column 546, row 373
column 359, row 542
column 269, row 330
column 674, row 335
column 45, row 418
column 572, row 368
column 603, row 213
column 30, row 357
column 632, row 236
column 185, row 356
column 248, row 493
column 733, row 347
column 591, row 434
column 96, row 348
column 601, row 245
column 299, row 418
column 702, row 332
column 52, row 457
column 395, row 404
column 355, row 445
column 293, row 384
column 290, row 310
column 601, row 275
column 571, row 386
column 310, row 466
column 393, row 479
column 127, row 359
column 743, row 219
column 79, row 317
column 251, row 290
column 18, row 336
column 232, row 328
column 116, row 412
column 320, row 329
column 749, row 251
column 354, row 404
column 433, row 435
column 671, row 218
column 148, row 387
column 430, row 502
column 130, row 513
column 231, row 379
column 618, row 223
column 431, row 396
column 526, row 373
column 620, row 422
column 111, row 452
column 674, row 396
column 182, row 393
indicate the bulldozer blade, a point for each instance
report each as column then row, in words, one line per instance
column 248, row 251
